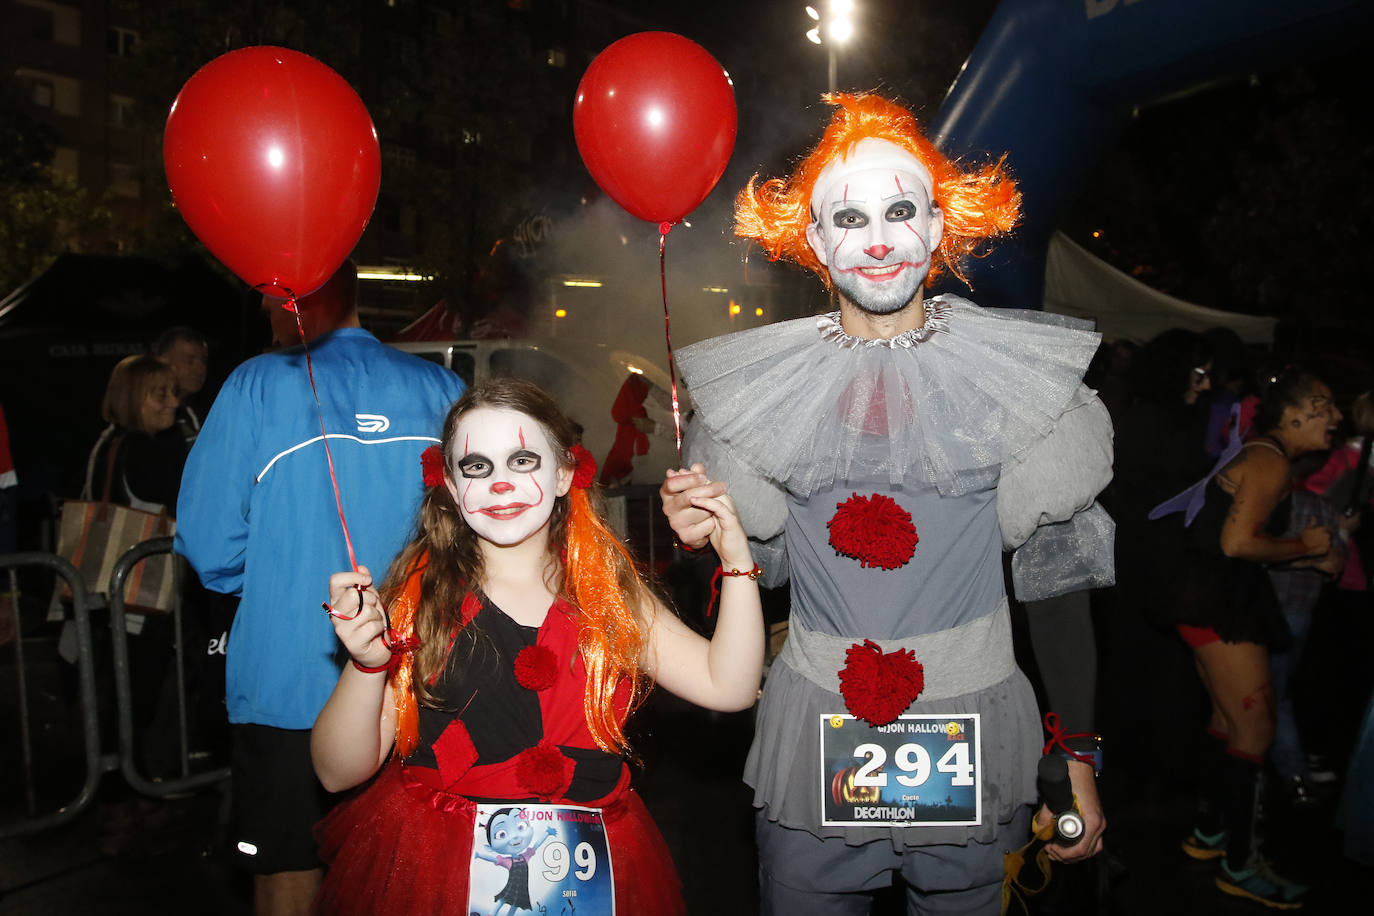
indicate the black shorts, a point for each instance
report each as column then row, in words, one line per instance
column 277, row 799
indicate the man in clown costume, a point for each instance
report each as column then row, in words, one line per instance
column 883, row 457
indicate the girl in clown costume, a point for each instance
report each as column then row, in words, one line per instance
column 498, row 662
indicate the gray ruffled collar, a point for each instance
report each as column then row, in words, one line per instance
column 937, row 314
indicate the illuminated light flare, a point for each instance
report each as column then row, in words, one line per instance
column 380, row 273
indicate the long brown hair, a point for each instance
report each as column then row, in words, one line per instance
column 598, row 577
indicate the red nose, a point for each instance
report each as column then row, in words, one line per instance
column 501, row 487
column 878, row 251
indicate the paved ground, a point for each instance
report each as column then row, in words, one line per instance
column 123, row 857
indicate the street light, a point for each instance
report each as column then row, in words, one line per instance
column 832, row 29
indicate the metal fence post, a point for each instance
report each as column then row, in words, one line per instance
column 96, row 764
column 123, row 691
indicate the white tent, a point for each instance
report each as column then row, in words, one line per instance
column 1081, row 284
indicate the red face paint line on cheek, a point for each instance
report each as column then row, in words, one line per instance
column 924, row 244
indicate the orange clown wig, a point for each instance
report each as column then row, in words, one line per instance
column 978, row 204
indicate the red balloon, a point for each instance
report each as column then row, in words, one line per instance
column 655, row 123
column 274, row 164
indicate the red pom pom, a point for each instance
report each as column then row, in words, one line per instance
column 878, row 687
column 536, row 667
column 874, row 530
column 585, row 471
column 432, row 463
column 544, row 771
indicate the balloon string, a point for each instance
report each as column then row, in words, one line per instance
column 291, row 306
column 663, row 229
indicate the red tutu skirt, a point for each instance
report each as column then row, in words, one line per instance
column 402, row 849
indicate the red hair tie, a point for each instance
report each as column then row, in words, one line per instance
column 584, row 471
column 432, row 466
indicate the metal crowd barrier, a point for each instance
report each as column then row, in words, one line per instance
column 186, row 782
column 96, row 764
column 96, row 761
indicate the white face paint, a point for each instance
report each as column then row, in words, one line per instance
column 875, row 227
column 506, row 475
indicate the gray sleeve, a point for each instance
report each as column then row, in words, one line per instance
column 772, row 556
column 1061, row 475
column 1063, row 539
column 762, row 503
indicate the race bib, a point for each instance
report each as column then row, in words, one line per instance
column 919, row 771
column 552, row 859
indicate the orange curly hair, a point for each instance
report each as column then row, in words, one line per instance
column 978, row 204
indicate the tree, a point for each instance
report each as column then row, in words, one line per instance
column 45, row 213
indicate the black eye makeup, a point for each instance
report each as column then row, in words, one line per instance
column 524, row 461
column 475, row 465
column 849, row 218
column 900, row 212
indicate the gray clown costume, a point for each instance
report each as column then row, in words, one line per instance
column 978, row 426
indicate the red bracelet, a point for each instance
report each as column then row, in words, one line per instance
column 366, row 670
column 733, row 573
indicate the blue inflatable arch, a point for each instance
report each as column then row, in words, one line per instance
column 1050, row 82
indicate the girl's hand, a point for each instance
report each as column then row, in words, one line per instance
column 727, row 534
column 357, row 617
column 1333, row 564
column 1316, row 539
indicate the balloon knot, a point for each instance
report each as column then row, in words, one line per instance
column 665, row 227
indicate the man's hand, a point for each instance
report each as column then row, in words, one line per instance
column 1094, row 821
column 692, row 526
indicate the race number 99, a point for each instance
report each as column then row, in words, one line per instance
column 557, row 865
column 913, row 760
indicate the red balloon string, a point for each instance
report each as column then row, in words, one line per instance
column 290, row 306
column 663, row 229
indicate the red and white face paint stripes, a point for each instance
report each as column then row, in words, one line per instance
column 875, row 226
column 506, row 475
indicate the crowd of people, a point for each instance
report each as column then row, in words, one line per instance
column 1237, row 494
column 908, row 467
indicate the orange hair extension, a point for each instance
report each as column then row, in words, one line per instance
column 978, row 204
column 610, row 639
column 611, row 635
column 402, row 614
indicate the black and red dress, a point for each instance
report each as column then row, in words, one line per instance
column 513, row 730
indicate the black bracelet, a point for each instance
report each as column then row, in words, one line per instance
column 1090, row 754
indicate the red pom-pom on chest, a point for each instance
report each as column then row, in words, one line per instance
column 536, row 668
column 874, row 530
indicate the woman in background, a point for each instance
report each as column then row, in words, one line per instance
column 143, row 463
column 1227, row 613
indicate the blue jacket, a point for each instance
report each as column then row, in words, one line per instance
column 257, row 517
